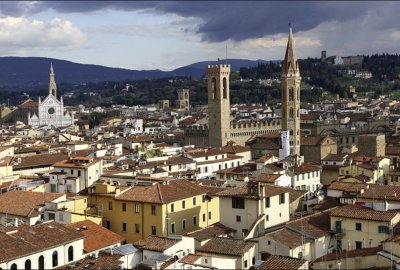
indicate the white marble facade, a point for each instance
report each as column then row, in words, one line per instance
column 51, row 110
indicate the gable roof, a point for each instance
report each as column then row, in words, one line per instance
column 361, row 212
column 25, row 240
column 226, row 246
column 156, row 243
column 277, row 262
column 97, row 237
column 211, row 231
column 25, row 203
column 172, row 191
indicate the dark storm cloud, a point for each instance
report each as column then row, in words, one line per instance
column 229, row 20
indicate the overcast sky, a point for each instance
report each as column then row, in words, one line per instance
column 166, row 35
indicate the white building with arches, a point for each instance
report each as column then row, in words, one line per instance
column 46, row 245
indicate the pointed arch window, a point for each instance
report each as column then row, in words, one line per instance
column 214, row 88
column 298, row 113
column 224, row 88
column 298, row 94
column 283, row 113
column 291, row 94
column 291, row 113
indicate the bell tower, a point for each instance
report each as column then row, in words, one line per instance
column 290, row 81
column 219, row 122
column 52, row 82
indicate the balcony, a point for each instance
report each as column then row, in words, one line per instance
column 338, row 233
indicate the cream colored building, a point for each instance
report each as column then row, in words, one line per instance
column 358, row 227
column 81, row 172
column 252, row 208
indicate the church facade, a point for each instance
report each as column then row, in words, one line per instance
column 51, row 110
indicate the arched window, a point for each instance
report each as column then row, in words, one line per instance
column 291, row 132
column 291, row 94
column 298, row 94
column 28, row 265
column 283, row 113
column 55, row 258
column 70, row 253
column 224, row 88
column 298, row 112
column 41, row 262
column 291, row 113
column 14, row 266
column 186, row 95
column 214, row 88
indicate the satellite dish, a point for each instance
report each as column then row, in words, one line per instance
column 246, row 179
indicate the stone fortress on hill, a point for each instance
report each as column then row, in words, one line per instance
column 221, row 130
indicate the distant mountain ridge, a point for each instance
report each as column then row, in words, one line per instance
column 30, row 71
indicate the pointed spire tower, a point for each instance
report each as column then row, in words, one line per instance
column 290, row 81
column 52, row 82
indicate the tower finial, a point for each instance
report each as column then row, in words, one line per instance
column 51, row 67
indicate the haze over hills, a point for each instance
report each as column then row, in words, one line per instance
column 30, row 71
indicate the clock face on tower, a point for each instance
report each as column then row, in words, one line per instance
column 51, row 110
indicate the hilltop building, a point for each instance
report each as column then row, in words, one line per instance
column 51, row 110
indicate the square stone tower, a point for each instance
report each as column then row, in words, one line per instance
column 182, row 104
column 371, row 145
column 219, row 122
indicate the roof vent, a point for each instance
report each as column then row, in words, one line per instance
column 78, row 229
column 84, row 227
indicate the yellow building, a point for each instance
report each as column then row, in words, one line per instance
column 168, row 208
column 358, row 227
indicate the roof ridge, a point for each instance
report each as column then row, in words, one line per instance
column 159, row 193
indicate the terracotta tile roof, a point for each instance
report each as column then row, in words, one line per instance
column 311, row 140
column 309, row 116
column 270, row 190
column 296, row 194
column 26, row 240
column 316, row 225
column 233, row 149
column 267, row 178
column 226, row 246
column 40, row 160
column 156, row 243
column 277, row 262
column 103, row 261
column 163, row 193
column 361, row 252
column 326, row 204
column 29, row 104
column 335, row 157
column 211, row 231
column 70, row 164
column 190, row 259
column 97, row 237
column 360, row 212
column 25, row 203
column 304, row 168
column 347, row 186
column 391, row 193
column 264, row 158
column 287, row 237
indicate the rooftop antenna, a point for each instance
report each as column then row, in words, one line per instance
column 226, row 54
